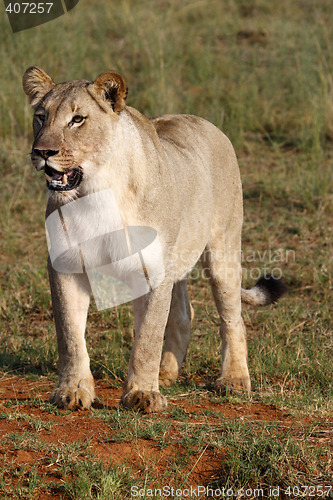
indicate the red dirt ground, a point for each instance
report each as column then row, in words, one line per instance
column 81, row 425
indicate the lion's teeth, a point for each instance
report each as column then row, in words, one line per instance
column 56, row 181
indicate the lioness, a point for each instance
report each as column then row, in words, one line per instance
column 177, row 174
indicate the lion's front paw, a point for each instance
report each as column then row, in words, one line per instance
column 232, row 385
column 148, row 402
column 69, row 398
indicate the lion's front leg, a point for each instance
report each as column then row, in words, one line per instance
column 70, row 300
column 141, row 389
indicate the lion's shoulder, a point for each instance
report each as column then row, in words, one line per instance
column 187, row 132
column 166, row 125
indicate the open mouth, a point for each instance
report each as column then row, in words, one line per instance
column 62, row 181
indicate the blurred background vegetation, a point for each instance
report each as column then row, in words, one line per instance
column 259, row 67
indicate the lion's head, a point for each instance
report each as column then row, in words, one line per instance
column 72, row 124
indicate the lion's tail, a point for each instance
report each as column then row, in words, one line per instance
column 266, row 291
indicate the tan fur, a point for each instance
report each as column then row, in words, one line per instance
column 175, row 173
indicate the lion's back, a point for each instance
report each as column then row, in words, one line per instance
column 205, row 151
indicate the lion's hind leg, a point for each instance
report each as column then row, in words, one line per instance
column 177, row 334
column 224, row 272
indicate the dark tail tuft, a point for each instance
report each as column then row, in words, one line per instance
column 266, row 291
column 272, row 287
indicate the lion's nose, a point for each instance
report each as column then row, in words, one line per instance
column 45, row 153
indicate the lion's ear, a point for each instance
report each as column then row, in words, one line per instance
column 111, row 87
column 36, row 84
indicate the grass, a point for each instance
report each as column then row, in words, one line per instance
column 253, row 455
column 258, row 460
column 129, row 424
column 262, row 72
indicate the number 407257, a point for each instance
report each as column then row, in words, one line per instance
column 29, row 8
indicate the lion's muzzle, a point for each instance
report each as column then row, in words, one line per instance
column 56, row 180
column 62, row 181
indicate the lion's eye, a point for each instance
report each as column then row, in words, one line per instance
column 78, row 119
column 40, row 117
